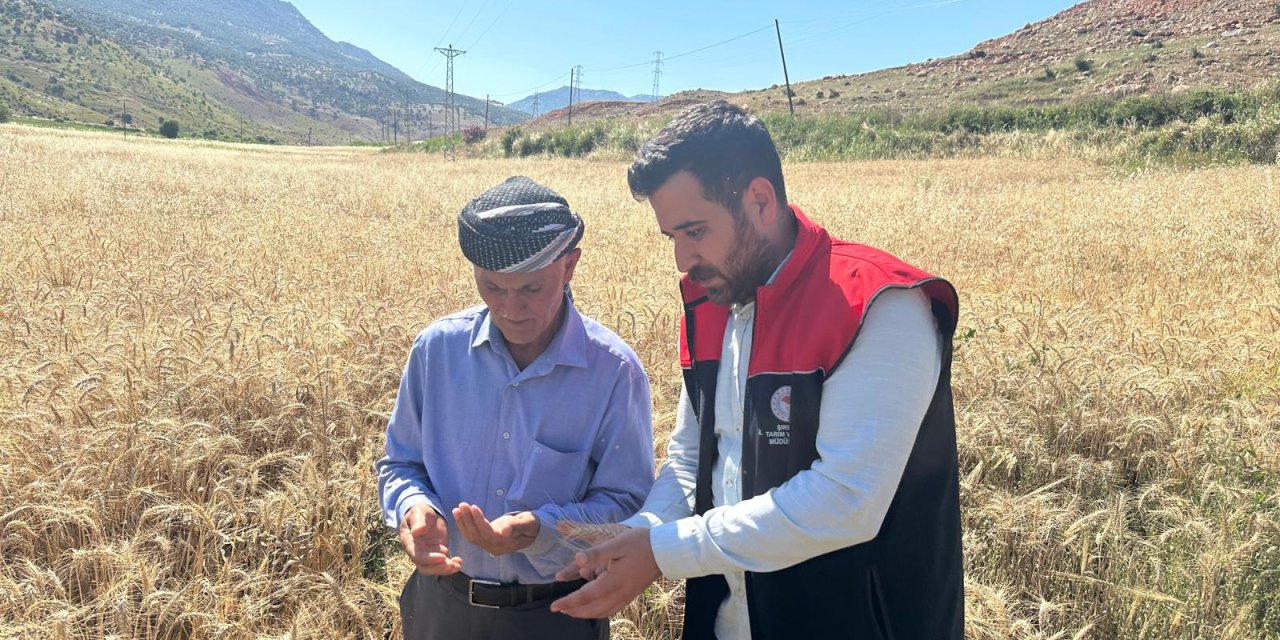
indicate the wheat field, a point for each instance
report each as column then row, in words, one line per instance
column 200, row 345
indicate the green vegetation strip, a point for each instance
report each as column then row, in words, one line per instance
column 1196, row 127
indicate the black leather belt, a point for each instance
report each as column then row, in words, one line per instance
column 496, row 595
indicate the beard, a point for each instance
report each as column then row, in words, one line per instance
column 746, row 269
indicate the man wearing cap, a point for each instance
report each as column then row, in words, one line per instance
column 511, row 417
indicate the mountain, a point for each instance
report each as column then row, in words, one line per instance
column 240, row 68
column 1093, row 50
column 559, row 98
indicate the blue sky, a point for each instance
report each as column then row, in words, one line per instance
column 515, row 47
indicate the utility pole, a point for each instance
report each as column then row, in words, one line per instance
column 535, row 103
column 657, row 72
column 486, row 113
column 407, row 110
column 790, row 107
column 578, row 88
column 450, row 54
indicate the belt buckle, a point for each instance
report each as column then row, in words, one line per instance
column 471, row 592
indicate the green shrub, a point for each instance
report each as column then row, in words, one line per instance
column 509, row 138
column 529, row 146
column 1143, row 111
column 1230, row 106
column 437, row 144
column 569, row 143
column 4, row 112
column 1209, row 140
column 1083, row 65
column 169, row 129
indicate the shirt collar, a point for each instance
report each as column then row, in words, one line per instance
column 785, row 260
column 568, row 347
column 739, row 308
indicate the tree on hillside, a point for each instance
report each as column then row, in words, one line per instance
column 4, row 112
column 169, row 129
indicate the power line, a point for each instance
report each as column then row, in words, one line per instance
column 685, row 53
column 805, row 34
column 495, row 21
column 473, row 21
column 444, row 35
column 526, row 92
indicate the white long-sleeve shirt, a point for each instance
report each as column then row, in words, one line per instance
column 872, row 407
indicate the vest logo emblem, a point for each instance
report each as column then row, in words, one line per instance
column 781, row 403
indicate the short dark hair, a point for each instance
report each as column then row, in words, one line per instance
column 721, row 144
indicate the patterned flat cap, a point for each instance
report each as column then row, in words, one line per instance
column 517, row 227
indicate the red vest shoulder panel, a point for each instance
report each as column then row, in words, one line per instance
column 807, row 319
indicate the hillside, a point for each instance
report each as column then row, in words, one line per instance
column 239, row 68
column 1100, row 48
column 1096, row 49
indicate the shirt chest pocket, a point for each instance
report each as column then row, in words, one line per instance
column 550, row 476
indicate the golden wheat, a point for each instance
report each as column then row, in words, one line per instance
column 201, row 344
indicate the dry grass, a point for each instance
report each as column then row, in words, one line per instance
column 201, row 345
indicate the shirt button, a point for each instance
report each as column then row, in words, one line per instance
column 500, row 492
column 515, row 384
column 506, row 435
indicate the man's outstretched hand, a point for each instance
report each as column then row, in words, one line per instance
column 621, row 567
column 424, row 537
column 507, row 534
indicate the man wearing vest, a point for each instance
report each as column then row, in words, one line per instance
column 811, row 489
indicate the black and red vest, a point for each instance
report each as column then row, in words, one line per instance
column 907, row 582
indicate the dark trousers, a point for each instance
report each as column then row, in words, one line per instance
column 430, row 610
